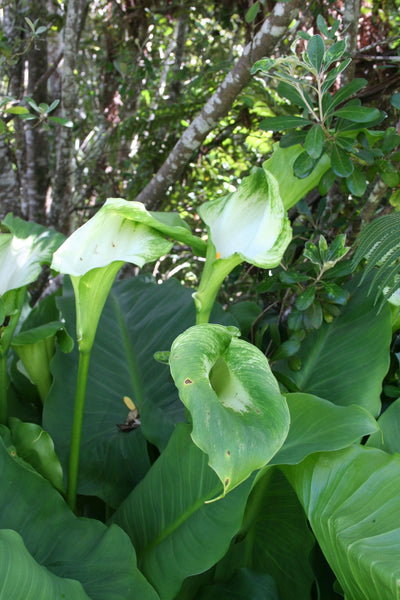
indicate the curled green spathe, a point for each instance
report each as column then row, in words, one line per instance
column 239, row 417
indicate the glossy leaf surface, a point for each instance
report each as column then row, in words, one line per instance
column 317, row 425
column 139, row 319
column 57, row 543
column 274, row 538
column 175, row 531
column 351, row 500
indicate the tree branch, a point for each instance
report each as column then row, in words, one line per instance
column 220, row 103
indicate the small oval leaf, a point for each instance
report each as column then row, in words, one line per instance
column 282, row 123
column 303, row 165
column 358, row 114
column 357, row 183
column 316, row 51
column 305, row 299
column 314, row 142
column 341, row 162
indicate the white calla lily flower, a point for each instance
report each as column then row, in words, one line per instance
column 250, row 222
column 121, row 231
column 115, row 233
column 23, row 251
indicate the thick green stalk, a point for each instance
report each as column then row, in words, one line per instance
column 4, row 382
column 83, row 369
column 12, row 303
column 214, row 273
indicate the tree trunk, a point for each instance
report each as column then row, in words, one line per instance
column 13, row 166
column 36, row 138
column 9, row 188
column 350, row 21
column 63, row 185
column 220, row 103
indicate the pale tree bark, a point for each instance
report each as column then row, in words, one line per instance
column 63, row 185
column 9, row 188
column 351, row 18
column 263, row 44
column 179, row 51
column 13, row 164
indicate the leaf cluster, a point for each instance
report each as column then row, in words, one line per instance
column 331, row 122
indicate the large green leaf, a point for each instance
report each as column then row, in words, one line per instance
column 317, row 425
column 21, row 577
column 139, row 319
column 345, row 361
column 240, row 419
column 56, row 544
column 388, row 437
column 274, row 538
column 176, row 533
column 243, row 585
column 351, row 498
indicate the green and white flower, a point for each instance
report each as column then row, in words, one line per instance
column 121, row 231
column 250, row 222
column 250, row 225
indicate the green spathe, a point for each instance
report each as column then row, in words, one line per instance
column 240, row 419
column 251, row 222
column 293, row 189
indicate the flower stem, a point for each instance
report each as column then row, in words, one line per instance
column 83, row 368
column 214, row 273
column 4, row 383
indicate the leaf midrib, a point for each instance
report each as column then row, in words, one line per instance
column 134, row 372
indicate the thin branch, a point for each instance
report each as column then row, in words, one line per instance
column 49, row 72
column 377, row 58
column 385, row 42
column 273, row 29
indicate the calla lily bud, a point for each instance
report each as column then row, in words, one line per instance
column 251, row 222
